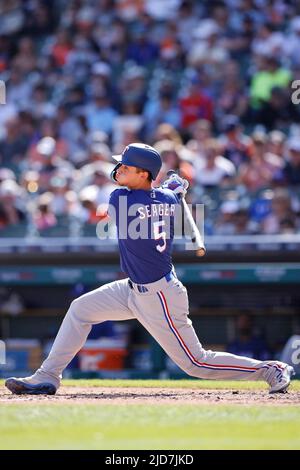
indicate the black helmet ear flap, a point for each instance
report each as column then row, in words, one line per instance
column 113, row 173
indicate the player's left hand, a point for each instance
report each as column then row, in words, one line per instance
column 177, row 184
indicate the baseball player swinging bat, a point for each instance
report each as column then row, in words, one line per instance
column 195, row 233
column 151, row 293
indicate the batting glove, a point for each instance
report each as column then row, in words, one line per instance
column 177, row 185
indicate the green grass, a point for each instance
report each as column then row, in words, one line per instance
column 182, row 383
column 153, row 427
column 194, row 384
column 148, row 427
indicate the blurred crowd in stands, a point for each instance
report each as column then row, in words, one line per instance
column 208, row 83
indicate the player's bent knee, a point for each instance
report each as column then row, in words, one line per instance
column 191, row 371
column 76, row 308
column 194, row 371
column 83, row 310
column 187, row 368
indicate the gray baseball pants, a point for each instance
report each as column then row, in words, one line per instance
column 164, row 311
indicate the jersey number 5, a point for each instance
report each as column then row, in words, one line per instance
column 160, row 235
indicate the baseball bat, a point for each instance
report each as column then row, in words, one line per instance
column 195, row 233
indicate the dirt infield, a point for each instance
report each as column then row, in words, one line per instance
column 110, row 395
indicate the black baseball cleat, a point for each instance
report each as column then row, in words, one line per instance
column 21, row 387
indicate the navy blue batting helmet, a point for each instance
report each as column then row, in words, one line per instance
column 141, row 156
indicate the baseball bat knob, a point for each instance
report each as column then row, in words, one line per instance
column 171, row 172
column 201, row 252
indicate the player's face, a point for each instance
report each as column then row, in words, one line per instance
column 130, row 177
